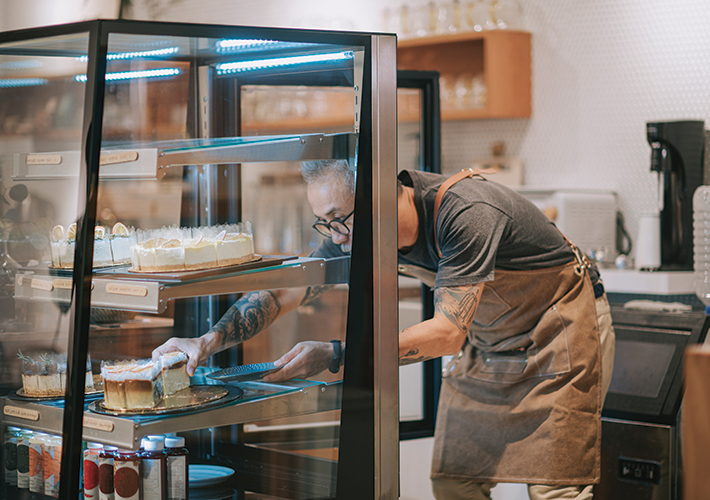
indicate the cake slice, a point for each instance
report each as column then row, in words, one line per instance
column 174, row 372
column 131, row 385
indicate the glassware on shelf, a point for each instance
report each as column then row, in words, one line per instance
column 475, row 14
column 464, row 91
column 504, row 14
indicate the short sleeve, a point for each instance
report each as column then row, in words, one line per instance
column 469, row 238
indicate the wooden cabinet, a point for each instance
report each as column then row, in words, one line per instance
column 501, row 58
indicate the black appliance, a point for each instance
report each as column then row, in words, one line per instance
column 677, row 150
column 641, row 455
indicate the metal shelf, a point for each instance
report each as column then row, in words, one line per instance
column 260, row 401
column 145, row 293
column 151, row 161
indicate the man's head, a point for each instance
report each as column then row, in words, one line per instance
column 331, row 193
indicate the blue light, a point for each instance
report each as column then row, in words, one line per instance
column 129, row 75
column 238, row 67
column 229, row 45
column 26, row 64
column 136, row 55
column 6, row 83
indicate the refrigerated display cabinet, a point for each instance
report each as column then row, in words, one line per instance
column 165, row 126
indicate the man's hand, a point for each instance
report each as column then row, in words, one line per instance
column 305, row 360
column 195, row 348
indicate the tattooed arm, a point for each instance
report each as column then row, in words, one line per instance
column 454, row 308
column 251, row 314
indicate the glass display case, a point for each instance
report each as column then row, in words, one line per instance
column 149, row 179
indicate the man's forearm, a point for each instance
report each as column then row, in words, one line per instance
column 248, row 316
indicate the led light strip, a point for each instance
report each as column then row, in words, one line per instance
column 6, row 83
column 238, row 67
column 128, row 75
column 135, row 55
column 227, row 45
column 26, row 64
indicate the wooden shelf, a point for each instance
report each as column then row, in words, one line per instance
column 501, row 57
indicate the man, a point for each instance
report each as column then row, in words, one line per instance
column 331, row 194
column 522, row 403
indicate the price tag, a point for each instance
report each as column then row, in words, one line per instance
column 98, row 424
column 24, row 413
column 123, row 289
column 43, row 160
column 47, row 286
column 122, row 157
column 63, row 284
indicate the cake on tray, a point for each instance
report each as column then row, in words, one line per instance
column 111, row 247
column 45, row 375
column 142, row 384
column 189, row 249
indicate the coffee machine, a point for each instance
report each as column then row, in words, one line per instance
column 677, row 150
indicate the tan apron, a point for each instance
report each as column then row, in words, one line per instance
column 523, row 403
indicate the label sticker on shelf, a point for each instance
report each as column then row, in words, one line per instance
column 98, row 424
column 63, row 284
column 14, row 411
column 47, row 286
column 123, row 289
column 43, row 160
column 122, row 157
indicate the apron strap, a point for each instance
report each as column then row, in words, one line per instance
column 464, row 174
column 582, row 261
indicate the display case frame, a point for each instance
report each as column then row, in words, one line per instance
column 368, row 452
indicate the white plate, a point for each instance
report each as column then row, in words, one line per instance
column 207, row 475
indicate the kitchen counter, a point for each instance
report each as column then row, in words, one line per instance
column 646, row 282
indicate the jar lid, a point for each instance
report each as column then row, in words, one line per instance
column 153, row 445
column 174, row 442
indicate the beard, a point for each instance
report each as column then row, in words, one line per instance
column 346, row 247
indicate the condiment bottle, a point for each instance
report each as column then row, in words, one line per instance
column 177, row 468
column 126, row 475
column 10, row 455
column 51, row 464
column 91, row 470
column 23, row 459
column 106, row 457
column 153, row 470
column 36, row 468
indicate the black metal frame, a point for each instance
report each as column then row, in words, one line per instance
column 430, row 156
column 356, row 467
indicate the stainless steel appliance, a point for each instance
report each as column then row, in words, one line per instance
column 641, row 456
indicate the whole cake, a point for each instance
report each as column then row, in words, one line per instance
column 46, row 376
column 141, row 384
column 111, row 248
column 186, row 249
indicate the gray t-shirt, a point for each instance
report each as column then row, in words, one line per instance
column 481, row 226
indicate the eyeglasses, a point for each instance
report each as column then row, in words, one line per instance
column 338, row 225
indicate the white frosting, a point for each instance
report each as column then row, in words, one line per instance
column 172, row 358
column 121, row 249
column 134, row 370
column 200, row 255
column 102, row 253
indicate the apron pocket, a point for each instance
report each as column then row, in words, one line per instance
column 547, row 356
column 512, row 362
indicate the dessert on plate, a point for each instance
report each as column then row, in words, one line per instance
column 178, row 249
column 142, row 384
column 45, row 375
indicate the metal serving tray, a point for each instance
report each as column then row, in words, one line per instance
column 116, row 288
column 150, row 161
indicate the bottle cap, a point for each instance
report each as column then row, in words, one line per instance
column 153, row 445
column 95, row 446
column 174, row 442
column 156, row 437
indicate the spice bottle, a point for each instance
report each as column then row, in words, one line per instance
column 126, row 475
column 106, row 457
column 51, row 464
column 36, row 468
column 177, row 455
column 23, row 459
column 153, row 470
column 10, row 455
column 91, row 470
